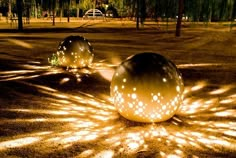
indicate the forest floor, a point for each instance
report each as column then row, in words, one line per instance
column 48, row 111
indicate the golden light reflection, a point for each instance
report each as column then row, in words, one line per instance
column 18, row 142
column 20, row 43
column 199, row 86
column 81, row 121
column 221, row 90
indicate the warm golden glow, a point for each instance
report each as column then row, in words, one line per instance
column 81, row 121
column 147, row 94
column 199, row 86
column 21, row 43
column 18, row 142
column 221, row 90
column 73, row 52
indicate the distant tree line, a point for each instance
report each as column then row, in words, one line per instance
column 194, row 10
column 190, row 10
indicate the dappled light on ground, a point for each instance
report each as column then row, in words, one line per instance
column 54, row 112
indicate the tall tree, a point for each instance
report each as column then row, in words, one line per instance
column 142, row 11
column 77, row 8
column 233, row 12
column 179, row 20
column 19, row 4
column 68, row 10
column 137, row 13
column 53, row 12
column 9, row 8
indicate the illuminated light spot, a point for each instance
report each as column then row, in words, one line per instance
column 226, row 101
column 70, row 139
column 164, row 80
column 230, row 133
column 172, row 103
column 59, row 112
column 86, row 153
column 131, row 105
column 225, row 113
column 122, row 86
column 64, row 80
column 179, row 152
column 177, row 88
column 89, row 137
column 43, row 133
column 18, row 142
column 152, row 116
column 172, row 156
column 140, row 103
column 105, row 154
column 124, row 80
column 140, row 110
column 134, row 89
column 134, row 96
column 162, row 154
column 199, row 86
column 40, row 119
column 55, row 139
column 133, row 146
column 221, row 90
column 73, row 52
column 155, row 98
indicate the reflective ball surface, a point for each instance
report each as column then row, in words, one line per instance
column 147, row 87
column 73, row 52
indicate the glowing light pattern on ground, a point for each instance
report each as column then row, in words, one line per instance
column 79, row 119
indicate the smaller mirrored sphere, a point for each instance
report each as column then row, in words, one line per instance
column 147, row 87
column 73, row 52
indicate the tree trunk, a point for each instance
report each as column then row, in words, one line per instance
column 61, row 13
column 179, row 20
column 61, row 8
column 9, row 11
column 142, row 11
column 19, row 4
column 9, row 7
column 68, row 11
column 35, row 9
column 77, row 8
column 233, row 13
column 53, row 12
column 137, row 15
column 77, row 12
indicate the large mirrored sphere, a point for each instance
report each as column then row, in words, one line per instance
column 73, row 52
column 147, row 87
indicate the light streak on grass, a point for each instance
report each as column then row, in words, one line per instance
column 18, row 142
